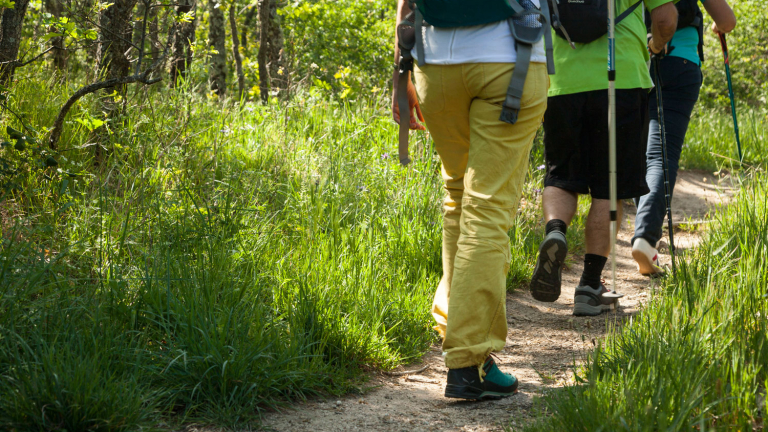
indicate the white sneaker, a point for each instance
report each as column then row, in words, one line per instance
column 647, row 258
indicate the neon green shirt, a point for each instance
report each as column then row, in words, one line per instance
column 586, row 68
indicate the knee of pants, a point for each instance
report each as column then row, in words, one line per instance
column 486, row 223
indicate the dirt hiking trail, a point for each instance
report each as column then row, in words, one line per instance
column 543, row 342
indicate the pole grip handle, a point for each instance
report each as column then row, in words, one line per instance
column 724, row 46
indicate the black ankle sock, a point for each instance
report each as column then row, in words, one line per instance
column 557, row 225
column 593, row 268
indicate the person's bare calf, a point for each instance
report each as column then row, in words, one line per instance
column 598, row 227
column 559, row 204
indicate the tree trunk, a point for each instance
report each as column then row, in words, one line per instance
column 115, row 41
column 60, row 54
column 276, row 73
column 217, row 41
column 183, row 37
column 156, row 48
column 270, row 49
column 236, row 53
column 116, row 30
column 10, row 39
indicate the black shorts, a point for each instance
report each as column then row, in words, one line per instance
column 576, row 143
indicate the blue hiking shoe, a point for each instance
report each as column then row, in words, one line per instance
column 466, row 383
column 546, row 280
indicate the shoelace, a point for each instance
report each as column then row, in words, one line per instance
column 481, row 368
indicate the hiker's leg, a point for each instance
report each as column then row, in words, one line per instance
column 631, row 136
column 445, row 105
column 496, row 169
column 566, row 176
column 597, row 231
column 680, row 84
column 559, row 204
column 565, row 179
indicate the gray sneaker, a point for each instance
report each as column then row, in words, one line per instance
column 590, row 301
column 546, row 280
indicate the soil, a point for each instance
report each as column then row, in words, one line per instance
column 544, row 343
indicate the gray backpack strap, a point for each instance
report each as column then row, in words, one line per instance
column 419, row 24
column 405, row 118
column 548, row 38
column 511, row 106
column 527, row 27
column 407, row 39
column 516, row 7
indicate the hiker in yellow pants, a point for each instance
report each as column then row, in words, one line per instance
column 461, row 87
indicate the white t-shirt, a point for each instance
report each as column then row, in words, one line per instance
column 489, row 43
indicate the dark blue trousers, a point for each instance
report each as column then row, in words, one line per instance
column 680, row 82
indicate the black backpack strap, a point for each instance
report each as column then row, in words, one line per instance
column 700, row 28
column 627, row 12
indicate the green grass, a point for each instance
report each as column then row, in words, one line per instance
column 221, row 261
column 711, row 142
column 696, row 356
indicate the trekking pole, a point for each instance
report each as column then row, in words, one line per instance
column 727, row 61
column 612, row 132
column 664, row 161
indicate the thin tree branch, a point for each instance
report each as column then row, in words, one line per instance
column 143, row 35
column 37, row 57
column 236, row 52
column 58, row 124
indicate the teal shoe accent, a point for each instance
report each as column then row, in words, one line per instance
column 496, row 376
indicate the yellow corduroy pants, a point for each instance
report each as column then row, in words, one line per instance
column 484, row 165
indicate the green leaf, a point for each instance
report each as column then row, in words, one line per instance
column 13, row 133
column 49, row 36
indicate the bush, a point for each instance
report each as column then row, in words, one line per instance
column 749, row 59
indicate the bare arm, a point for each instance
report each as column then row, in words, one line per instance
column 663, row 26
column 722, row 14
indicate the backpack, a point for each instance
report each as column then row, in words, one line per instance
column 585, row 20
column 688, row 15
column 463, row 13
column 527, row 23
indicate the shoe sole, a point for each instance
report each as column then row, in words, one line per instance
column 644, row 265
column 586, row 309
column 546, row 280
column 466, row 392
